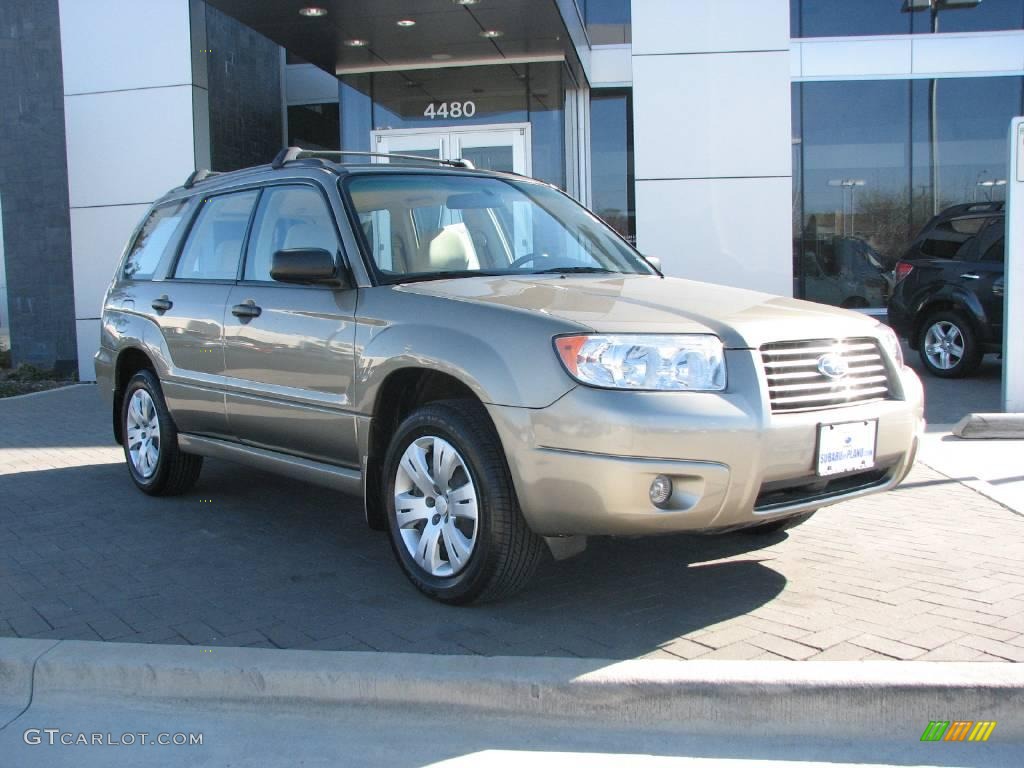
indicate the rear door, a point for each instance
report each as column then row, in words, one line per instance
column 289, row 349
column 189, row 309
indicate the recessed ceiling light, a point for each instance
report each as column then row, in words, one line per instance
column 356, row 42
column 490, row 34
column 312, row 11
column 406, row 23
column 440, row 56
column 465, row 2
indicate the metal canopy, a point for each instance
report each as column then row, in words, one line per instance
column 445, row 33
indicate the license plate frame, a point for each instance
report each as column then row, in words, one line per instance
column 859, row 437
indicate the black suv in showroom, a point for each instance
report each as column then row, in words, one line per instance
column 948, row 298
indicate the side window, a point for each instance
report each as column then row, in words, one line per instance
column 214, row 245
column 996, row 251
column 152, row 241
column 288, row 217
column 947, row 239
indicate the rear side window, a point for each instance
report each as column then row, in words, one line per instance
column 214, row 246
column 152, row 241
column 947, row 238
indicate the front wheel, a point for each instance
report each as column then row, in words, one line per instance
column 454, row 521
column 157, row 466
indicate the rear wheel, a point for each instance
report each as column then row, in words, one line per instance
column 775, row 526
column 948, row 346
column 454, row 521
column 157, row 466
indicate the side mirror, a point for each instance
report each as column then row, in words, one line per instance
column 654, row 261
column 305, row 266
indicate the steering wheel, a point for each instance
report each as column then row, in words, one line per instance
column 523, row 260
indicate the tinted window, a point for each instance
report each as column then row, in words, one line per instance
column 947, row 239
column 288, row 218
column 833, row 18
column 152, row 241
column 996, row 251
column 214, row 245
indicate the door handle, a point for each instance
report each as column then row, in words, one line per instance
column 246, row 311
column 162, row 304
column 970, row 276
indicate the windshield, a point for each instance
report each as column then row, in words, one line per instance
column 424, row 226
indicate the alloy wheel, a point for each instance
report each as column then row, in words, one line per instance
column 436, row 506
column 142, row 430
column 944, row 345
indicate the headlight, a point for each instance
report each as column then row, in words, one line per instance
column 891, row 342
column 694, row 362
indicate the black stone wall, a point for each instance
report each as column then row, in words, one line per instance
column 244, row 71
column 34, row 186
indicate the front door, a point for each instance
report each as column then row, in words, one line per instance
column 289, row 349
column 494, row 148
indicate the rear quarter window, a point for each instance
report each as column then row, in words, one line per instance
column 948, row 237
column 152, row 241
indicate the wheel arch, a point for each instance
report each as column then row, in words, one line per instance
column 962, row 303
column 130, row 361
column 401, row 392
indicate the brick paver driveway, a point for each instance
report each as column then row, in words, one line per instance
column 932, row 571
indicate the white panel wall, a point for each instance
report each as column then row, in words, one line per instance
column 110, row 45
column 700, row 26
column 131, row 132
column 730, row 231
column 128, row 146
column 712, row 139
column 699, row 116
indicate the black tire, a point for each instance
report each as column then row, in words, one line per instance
column 506, row 553
column 971, row 358
column 176, row 472
column 777, row 526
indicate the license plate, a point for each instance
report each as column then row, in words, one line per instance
column 846, row 447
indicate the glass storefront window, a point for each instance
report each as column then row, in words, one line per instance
column 461, row 97
column 611, row 159
column 871, row 166
column 843, row 18
column 966, row 141
column 608, row 21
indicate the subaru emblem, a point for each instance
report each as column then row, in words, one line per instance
column 832, row 365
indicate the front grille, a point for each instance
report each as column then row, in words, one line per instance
column 795, row 382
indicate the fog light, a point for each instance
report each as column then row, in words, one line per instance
column 661, row 490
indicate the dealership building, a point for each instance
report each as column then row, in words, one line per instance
column 792, row 146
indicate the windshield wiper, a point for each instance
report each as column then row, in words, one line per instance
column 574, row 270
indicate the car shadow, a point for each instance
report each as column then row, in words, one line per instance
column 249, row 558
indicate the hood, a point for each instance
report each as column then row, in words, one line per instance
column 649, row 304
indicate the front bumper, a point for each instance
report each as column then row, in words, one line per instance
column 583, row 465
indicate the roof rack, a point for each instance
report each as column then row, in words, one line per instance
column 297, row 153
column 202, row 174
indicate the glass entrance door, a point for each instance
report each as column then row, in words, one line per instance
column 497, row 148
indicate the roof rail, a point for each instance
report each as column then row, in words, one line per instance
column 291, row 154
column 202, row 174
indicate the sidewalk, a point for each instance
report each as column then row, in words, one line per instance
column 285, row 708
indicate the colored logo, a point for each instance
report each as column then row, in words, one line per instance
column 832, row 365
column 958, row 730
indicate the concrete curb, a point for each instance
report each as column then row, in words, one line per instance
column 987, row 426
column 842, row 699
column 47, row 391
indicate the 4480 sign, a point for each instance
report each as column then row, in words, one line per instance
column 450, row 110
